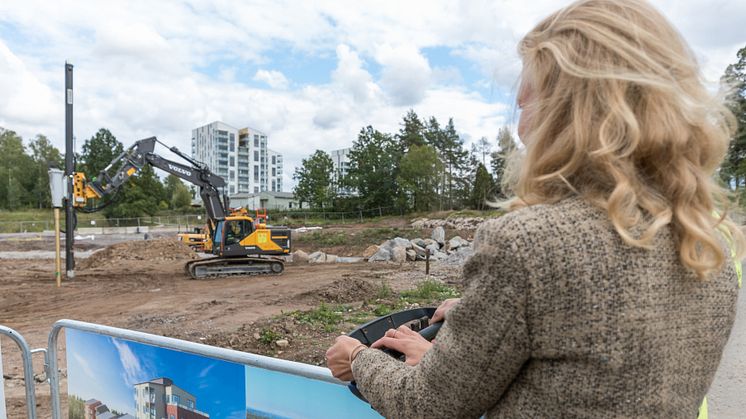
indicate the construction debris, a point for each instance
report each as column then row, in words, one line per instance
column 460, row 223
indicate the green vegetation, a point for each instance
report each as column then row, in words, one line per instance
column 268, row 336
column 324, row 238
column 324, row 316
column 385, row 301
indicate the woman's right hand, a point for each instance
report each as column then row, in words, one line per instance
column 440, row 312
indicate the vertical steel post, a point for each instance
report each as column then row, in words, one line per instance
column 69, row 170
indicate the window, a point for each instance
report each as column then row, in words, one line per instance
column 256, row 141
column 190, row 404
column 274, row 159
column 256, row 173
column 256, row 155
column 273, row 185
column 232, row 161
column 290, row 205
column 176, row 399
column 274, row 172
column 233, row 190
column 256, row 189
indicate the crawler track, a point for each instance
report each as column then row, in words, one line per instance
column 221, row 267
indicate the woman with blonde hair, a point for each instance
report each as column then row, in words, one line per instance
column 610, row 288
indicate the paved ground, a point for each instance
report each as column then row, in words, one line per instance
column 727, row 397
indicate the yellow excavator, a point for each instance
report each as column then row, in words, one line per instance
column 239, row 245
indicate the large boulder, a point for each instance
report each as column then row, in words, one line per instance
column 433, row 248
column 418, row 242
column 439, row 235
column 317, row 257
column 459, row 256
column 428, row 242
column 331, row 259
column 382, row 255
column 401, row 242
column 457, row 242
column 399, row 255
column 300, row 256
column 411, row 255
column 419, row 252
column 370, row 251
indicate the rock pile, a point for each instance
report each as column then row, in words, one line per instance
column 454, row 251
column 459, row 223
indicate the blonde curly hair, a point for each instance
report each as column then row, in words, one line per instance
column 621, row 117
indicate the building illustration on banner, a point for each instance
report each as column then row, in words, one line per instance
column 110, row 378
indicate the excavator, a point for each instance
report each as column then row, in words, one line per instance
column 239, row 245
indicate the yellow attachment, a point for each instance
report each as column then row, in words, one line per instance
column 81, row 191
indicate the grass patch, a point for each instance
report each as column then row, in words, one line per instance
column 268, row 336
column 429, row 290
column 324, row 316
column 362, row 238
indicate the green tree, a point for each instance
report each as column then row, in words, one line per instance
column 99, row 151
column 482, row 147
column 412, row 132
column 456, row 164
column 16, row 183
column 374, row 167
column 314, row 179
column 176, row 193
column 733, row 171
column 141, row 195
column 418, row 176
column 44, row 156
column 483, row 188
column 506, row 146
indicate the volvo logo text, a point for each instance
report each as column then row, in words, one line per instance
column 179, row 170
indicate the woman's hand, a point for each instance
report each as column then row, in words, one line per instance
column 440, row 312
column 338, row 357
column 406, row 341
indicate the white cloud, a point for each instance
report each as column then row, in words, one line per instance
column 140, row 66
column 406, row 74
column 133, row 372
column 273, row 78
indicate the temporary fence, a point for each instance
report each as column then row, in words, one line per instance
column 107, row 365
column 28, row 373
column 187, row 222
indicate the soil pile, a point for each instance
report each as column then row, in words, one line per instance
column 344, row 291
column 152, row 250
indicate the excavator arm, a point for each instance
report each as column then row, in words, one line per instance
column 132, row 161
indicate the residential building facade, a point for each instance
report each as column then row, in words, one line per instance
column 341, row 161
column 240, row 156
column 267, row 200
column 160, row 398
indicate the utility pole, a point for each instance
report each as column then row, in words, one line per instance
column 69, row 170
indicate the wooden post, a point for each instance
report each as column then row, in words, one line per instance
column 57, row 258
column 427, row 261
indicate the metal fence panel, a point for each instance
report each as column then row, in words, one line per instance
column 263, row 375
column 28, row 372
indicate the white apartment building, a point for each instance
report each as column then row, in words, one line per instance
column 341, row 161
column 240, row 156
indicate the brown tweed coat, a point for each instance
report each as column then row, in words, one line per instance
column 561, row 319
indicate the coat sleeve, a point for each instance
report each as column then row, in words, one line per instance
column 477, row 354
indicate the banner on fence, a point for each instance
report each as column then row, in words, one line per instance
column 2, row 387
column 120, row 379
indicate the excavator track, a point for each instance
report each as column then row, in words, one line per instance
column 222, row 267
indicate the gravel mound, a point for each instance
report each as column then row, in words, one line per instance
column 153, row 250
column 344, row 291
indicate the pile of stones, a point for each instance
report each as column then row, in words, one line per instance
column 460, row 223
column 399, row 250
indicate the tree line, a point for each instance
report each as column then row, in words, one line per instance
column 423, row 167
column 24, row 180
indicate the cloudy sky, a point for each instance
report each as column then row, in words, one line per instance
column 308, row 73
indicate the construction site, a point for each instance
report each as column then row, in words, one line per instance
column 141, row 285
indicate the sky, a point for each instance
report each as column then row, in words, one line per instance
column 309, row 74
column 106, row 369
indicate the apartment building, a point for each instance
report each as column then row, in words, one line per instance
column 161, row 398
column 240, row 156
column 341, row 161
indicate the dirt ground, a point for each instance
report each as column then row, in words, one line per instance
column 119, row 286
column 141, row 286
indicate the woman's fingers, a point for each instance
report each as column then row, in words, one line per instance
column 390, row 343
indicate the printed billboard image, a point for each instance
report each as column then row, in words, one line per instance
column 111, row 378
column 274, row 395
